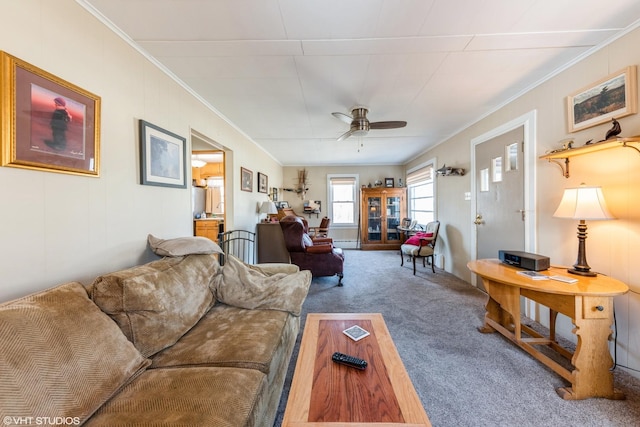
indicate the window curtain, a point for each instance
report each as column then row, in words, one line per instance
column 420, row 175
column 213, row 200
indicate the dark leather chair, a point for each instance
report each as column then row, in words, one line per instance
column 317, row 255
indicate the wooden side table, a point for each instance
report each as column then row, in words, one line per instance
column 587, row 302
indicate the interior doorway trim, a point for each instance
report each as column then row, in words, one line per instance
column 204, row 138
column 528, row 121
column 228, row 177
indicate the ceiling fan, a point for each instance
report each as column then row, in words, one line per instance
column 360, row 125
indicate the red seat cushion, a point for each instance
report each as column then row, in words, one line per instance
column 415, row 239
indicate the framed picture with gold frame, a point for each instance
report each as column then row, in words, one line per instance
column 46, row 122
column 609, row 98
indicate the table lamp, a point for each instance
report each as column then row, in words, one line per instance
column 268, row 208
column 583, row 203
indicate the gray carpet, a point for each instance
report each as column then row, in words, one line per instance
column 463, row 377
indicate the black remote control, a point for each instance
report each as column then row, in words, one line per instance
column 352, row 361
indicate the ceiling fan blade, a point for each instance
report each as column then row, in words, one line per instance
column 387, row 125
column 345, row 135
column 344, row 117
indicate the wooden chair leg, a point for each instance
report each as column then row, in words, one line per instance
column 414, row 265
column 433, row 268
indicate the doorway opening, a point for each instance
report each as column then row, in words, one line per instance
column 208, row 195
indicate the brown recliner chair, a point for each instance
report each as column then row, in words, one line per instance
column 317, row 255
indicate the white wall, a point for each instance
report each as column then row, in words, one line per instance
column 58, row 227
column 613, row 247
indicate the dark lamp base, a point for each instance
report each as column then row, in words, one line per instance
column 581, row 268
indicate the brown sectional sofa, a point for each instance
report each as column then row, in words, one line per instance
column 178, row 341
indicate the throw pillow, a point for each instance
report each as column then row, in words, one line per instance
column 156, row 303
column 415, row 239
column 61, row 356
column 306, row 240
column 182, row 246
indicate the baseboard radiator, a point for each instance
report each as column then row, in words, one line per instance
column 346, row 244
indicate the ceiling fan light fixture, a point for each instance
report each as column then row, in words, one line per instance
column 359, row 125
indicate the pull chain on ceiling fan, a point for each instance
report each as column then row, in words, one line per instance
column 359, row 125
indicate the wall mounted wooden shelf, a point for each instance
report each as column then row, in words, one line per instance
column 591, row 148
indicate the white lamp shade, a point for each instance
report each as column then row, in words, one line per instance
column 268, row 208
column 583, row 203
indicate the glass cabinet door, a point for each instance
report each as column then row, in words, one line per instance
column 393, row 218
column 374, row 218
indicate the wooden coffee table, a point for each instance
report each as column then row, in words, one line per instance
column 324, row 392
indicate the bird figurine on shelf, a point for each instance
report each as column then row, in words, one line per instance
column 614, row 131
column 567, row 144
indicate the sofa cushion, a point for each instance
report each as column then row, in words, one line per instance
column 61, row 356
column 156, row 303
column 241, row 285
column 233, row 337
column 187, row 397
column 182, row 246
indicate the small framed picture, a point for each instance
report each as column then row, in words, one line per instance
column 389, row 182
column 263, row 183
column 246, row 179
column 162, row 157
column 49, row 124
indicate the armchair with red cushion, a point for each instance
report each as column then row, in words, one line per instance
column 317, row 255
column 421, row 245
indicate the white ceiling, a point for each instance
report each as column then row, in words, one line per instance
column 277, row 69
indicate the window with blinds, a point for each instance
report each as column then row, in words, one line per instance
column 420, row 195
column 342, row 199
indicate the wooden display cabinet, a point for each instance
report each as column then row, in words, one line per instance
column 382, row 210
